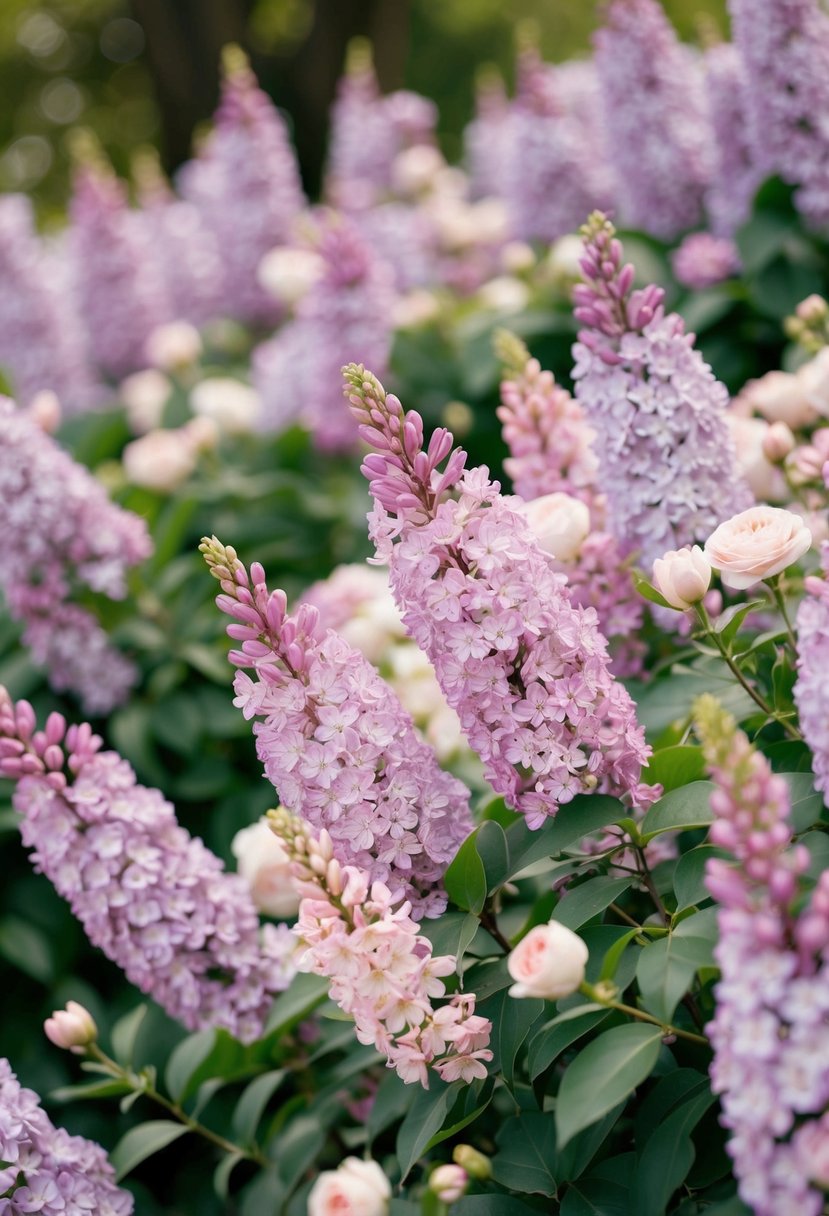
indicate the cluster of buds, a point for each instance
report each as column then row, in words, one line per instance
column 809, row 326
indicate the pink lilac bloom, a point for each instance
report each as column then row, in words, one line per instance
column 117, row 284
column 735, row 175
column 153, row 898
column 667, row 462
column 67, row 536
column 348, row 309
column 770, row 1033
column 41, row 346
column 703, row 260
column 658, row 135
column 245, row 184
column 525, row 668
column 46, row 1170
column 336, row 743
column 811, row 690
column 487, row 137
column 578, row 88
column 784, row 46
column 382, row 971
column 551, row 450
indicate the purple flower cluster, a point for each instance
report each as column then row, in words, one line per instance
column 784, row 46
column 152, row 897
column 44, row 1169
column 667, row 462
column 811, row 690
column 525, row 669
column 487, row 137
column 702, row 260
column 770, row 1033
column 655, row 115
column 67, row 534
column 245, row 183
column 736, row 177
column 348, row 309
column 336, row 743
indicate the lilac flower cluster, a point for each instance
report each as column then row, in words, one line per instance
column 348, row 309
column 811, row 691
column 735, row 177
column 770, row 1033
column 667, row 462
column 525, row 669
column 245, row 184
column 152, row 897
column 550, row 443
column 382, row 972
column 337, row 744
column 44, row 1169
column 66, row 534
column 655, row 116
column 702, row 260
column 784, row 46
column 487, row 137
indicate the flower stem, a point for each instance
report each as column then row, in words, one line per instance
column 599, row 994
column 780, row 600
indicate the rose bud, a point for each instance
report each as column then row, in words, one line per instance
column 449, row 1182
column 560, row 523
column 476, row 1164
column 265, row 866
column 757, row 544
column 549, row 962
column 778, row 441
column 356, row 1188
column 72, row 1028
column 682, row 577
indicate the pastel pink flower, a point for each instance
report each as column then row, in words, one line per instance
column 757, row 544
column 549, row 962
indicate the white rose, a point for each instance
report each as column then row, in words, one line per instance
column 813, row 378
column 504, row 294
column 560, row 522
column 356, row 1188
column 564, row 258
column 549, row 962
column 289, row 274
column 173, row 346
column 749, row 434
column 160, row 460
column 233, row 406
column 416, row 169
column 780, row 397
column 417, row 308
column 682, row 576
column 145, row 395
column 265, row 866
column 517, row 257
column 757, row 544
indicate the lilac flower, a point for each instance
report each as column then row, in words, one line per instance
column 41, row 344
column 152, row 897
column 784, row 46
column 735, row 177
column 658, row 137
column 336, row 742
column 525, row 669
column 44, row 1168
column 66, row 534
column 702, row 260
column 667, row 462
column 487, row 138
column 770, row 1033
column 811, row 692
column 245, row 183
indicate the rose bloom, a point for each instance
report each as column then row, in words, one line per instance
column 549, row 962
column 780, row 397
column 682, row 576
column 160, row 460
column 356, row 1188
column 172, row 346
column 266, row 867
column 289, row 274
column 234, row 407
column 145, row 395
column 813, row 378
column 560, row 523
column 757, row 544
column 750, row 435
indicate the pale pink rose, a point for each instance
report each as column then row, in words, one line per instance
column 72, row 1028
column 145, row 394
column 778, row 442
column 265, row 866
column 560, row 523
column 766, row 482
column 289, row 274
column 780, row 397
column 172, row 346
column 756, row 544
column 356, row 1188
column 813, row 378
column 682, row 576
column 549, row 962
column 414, row 170
column 160, row 460
column 449, row 1182
column 44, row 409
column 232, row 406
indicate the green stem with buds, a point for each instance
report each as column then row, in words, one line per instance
column 604, row 994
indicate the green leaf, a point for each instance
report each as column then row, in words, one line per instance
column 672, row 767
column 512, row 1019
column 596, row 1197
column 806, row 803
column 184, row 1061
column 666, row 967
column 526, row 1151
column 252, row 1103
column 298, row 1144
column 586, row 813
column 392, row 1100
column 26, row 948
column 681, row 809
column 465, row 880
column 427, row 1113
column 556, row 1036
column 604, row 1074
column 142, row 1142
column 451, row 933
column 491, row 1205
column 472, row 1101
column 574, row 1159
column 647, row 590
column 613, row 956
column 221, row 1175
column 580, row 904
column 94, row 1089
column 491, row 843
column 669, row 1154
column 125, row 1033
column 296, row 1002
column 689, row 875
column 728, row 623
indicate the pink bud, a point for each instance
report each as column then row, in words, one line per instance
column 449, row 1182
column 72, row 1028
column 778, row 442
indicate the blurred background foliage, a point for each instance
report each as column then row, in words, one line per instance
column 146, row 71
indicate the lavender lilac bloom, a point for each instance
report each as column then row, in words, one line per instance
column 770, row 1033
column 487, row 137
column 337, row 744
column 703, row 260
column 525, row 669
column 44, row 1169
column 658, row 135
column 152, row 897
column 667, row 462
column 735, row 176
column 811, row 690
column 67, row 535
column 784, row 45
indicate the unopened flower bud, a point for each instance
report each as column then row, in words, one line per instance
column 72, row 1028
column 449, row 1182
column 813, row 309
column 549, row 962
column 682, row 577
column 475, row 1163
column 778, row 441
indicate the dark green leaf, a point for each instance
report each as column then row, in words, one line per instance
column 669, row 1154
column 491, row 1205
column 252, row 1103
column 603, row 1075
column 728, row 623
column 392, row 1101
column 667, row 966
column 689, row 875
column 451, row 933
column 125, row 1033
column 586, row 813
column 582, row 903
column 142, row 1142
column 185, row 1060
column 807, row 804
column 596, row 1197
column 526, row 1152
column 491, row 843
column 291, row 1006
column 512, row 1019
column 296, row 1147
column 465, row 880
column 427, row 1113
column 95, row 1089
column 672, row 767
column 556, row 1036
column 681, row 809
column 221, row 1175
column 27, row 948
column 574, row 1159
